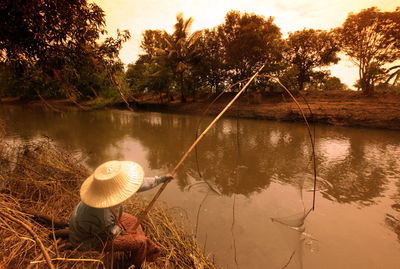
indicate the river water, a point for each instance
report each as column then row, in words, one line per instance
column 247, row 192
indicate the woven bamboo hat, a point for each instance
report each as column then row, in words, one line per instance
column 112, row 183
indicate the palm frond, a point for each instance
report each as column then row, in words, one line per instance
column 395, row 75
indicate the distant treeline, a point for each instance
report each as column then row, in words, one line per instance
column 52, row 49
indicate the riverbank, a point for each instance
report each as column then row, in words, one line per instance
column 335, row 108
column 42, row 179
column 349, row 108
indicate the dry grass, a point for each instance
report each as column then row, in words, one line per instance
column 41, row 177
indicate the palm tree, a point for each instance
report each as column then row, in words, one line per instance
column 395, row 75
column 180, row 51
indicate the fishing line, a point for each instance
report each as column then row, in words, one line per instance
column 199, row 172
column 290, row 259
column 114, row 81
column 233, row 231
column 186, row 154
column 313, row 153
column 298, row 224
column 198, row 129
column 235, row 187
column 198, row 212
column 237, row 165
column 209, row 185
column 312, row 139
column 204, row 113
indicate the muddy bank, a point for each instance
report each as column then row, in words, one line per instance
column 336, row 108
column 381, row 110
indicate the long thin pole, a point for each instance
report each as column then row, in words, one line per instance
column 312, row 139
column 184, row 157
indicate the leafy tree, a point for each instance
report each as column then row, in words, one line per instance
column 210, row 58
column 333, row 84
column 154, row 42
column 85, row 70
column 250, row 40
column 134, row 74
column 153, row 71
column 323, row 81
column 212, row 64
column 29, row 29
column 146, row 76
column 52, row 46
column 316, row 80
column 309, row 49
column 370, row 38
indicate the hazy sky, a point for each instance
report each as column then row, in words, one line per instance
column 290, row 15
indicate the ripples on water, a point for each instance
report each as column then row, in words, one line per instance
column 261, row 182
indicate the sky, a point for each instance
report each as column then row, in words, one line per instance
column 290, row 15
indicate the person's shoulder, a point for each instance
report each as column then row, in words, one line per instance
column 84, row 208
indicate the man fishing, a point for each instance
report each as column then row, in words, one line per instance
column 98, row 221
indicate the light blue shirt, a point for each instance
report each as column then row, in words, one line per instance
column 91, row 227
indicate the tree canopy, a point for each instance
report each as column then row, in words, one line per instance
column 31, row 29
column 51, row 48
column 60, row 48
column 211, row 59
column 249, row 41
column 371, row 39
column 308, row 49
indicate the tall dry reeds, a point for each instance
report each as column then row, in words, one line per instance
column 40, row 178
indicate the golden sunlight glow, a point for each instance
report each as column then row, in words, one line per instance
column 290, row 15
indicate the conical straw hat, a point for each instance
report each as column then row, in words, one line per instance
column 112, row 183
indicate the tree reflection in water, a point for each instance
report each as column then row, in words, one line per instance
column 354, row 167
column 392, row 218
column 269, row 152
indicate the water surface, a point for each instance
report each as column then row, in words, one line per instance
column 247, row 191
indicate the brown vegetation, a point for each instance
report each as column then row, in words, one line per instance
column 344, row 108
column 42, row 178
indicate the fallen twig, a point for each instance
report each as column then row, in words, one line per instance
column 34, row 235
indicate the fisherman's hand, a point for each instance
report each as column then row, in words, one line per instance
column 163, row 179
column 168, row 177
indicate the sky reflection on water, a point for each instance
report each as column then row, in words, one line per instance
column 261, row 167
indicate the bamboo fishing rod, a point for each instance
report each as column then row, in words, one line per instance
column 186, row 154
